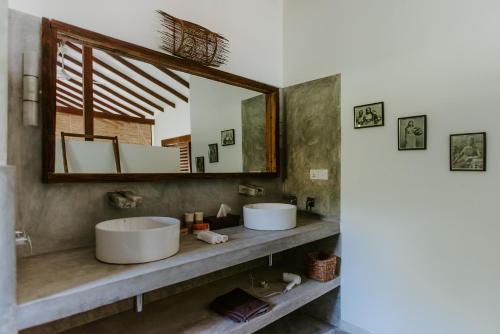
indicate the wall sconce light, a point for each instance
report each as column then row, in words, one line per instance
column 31, row 96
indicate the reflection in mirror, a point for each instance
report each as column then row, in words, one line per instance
column 164, row 121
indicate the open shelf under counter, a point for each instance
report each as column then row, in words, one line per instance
column 189, row 312
column 57, row 285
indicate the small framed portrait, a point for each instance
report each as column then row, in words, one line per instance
column 213, row 153
column 227, row 137
column 200, row 164
column 468, row 152
column 369, row 115
column 412, row 133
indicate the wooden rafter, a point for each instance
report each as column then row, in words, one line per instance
column 112, row 92
column 76, row 111
column 118, row 84
column 174, row 76
column 67, row 95
column 63, row 104
column 123, row 76
column 133, row 82
column 79, row 98
column 149, row 77
column 88, row 92
column 100, row 98
column 67, row 101
column 124, row 99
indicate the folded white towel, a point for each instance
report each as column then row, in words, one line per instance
column 212, row 237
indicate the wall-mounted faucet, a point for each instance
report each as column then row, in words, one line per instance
column 291, row 199
column 310, row 202
column 23, row 239
column 250, row 190
column 124, row 199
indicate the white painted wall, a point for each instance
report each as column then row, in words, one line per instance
column 215, row 107
column 172, row 123
column 420, row 243
column 254, row 28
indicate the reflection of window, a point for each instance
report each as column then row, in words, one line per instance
column 184, row 145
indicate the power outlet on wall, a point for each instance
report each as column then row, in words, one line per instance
column 318, row 174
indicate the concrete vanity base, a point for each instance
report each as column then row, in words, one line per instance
column 58, row 285
column 188, row 312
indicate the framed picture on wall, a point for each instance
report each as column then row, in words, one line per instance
column 200, row 164
column 369, row 115
column 227, row 137
column 412, row 133
column 468, row 152
column 213, row 153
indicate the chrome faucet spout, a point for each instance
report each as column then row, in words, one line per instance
column 23, row 238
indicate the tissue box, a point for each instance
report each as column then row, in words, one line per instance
column 223, row 222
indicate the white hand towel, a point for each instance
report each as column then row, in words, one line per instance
column 212, row 237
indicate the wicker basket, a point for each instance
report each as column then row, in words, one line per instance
column 321, row 267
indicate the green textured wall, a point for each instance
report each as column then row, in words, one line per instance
column 312, row 111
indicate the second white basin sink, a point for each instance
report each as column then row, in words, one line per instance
column 137, row 240
column 270, row 216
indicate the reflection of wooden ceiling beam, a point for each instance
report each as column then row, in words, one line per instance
column 121, row 75
column 65, row 100
column 133, row 82
column 79, row 98
column 69, row 94
column 125, row 99
column 112, row 92
column 118, row 84
column 97, row 100
column 149, row 77
column 124, row 118
column 174, row 76
column 88, row 92
column 62, row 103
column 100, row 98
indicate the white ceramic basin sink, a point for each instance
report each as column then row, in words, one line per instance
column 270, row 216
column 137, row 240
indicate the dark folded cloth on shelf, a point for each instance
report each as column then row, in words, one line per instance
column 239, row 305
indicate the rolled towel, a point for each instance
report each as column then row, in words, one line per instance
column 212, row 237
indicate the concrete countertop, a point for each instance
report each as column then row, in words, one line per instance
column 56, row 285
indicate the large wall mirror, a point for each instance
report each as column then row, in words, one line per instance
column 115, row 111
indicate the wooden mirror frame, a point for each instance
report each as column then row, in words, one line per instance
column 52, row 30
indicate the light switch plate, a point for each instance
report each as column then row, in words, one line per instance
column 319, row 174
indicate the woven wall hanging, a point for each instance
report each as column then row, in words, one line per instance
column 192, row 41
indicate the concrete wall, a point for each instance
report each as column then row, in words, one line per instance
column 62, row 216
column 7, row 251
column 7, row 198
column 420, row 243
column 3, row 82
column 313, row 142
column 253, row 134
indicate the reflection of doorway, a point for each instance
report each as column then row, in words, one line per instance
column 184, row 145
